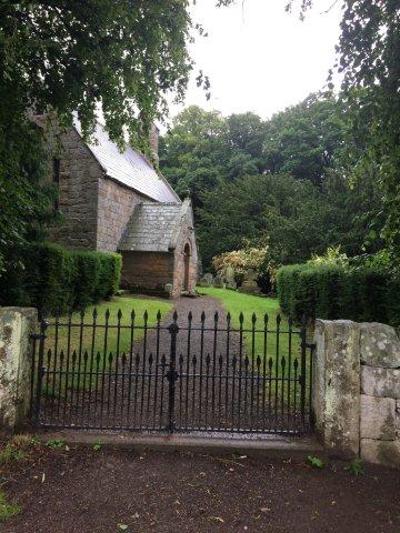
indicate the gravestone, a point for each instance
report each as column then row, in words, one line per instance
column 230, row 282
column 250, row 284
column 206, row 280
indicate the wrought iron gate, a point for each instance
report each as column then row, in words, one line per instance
column 213, row 375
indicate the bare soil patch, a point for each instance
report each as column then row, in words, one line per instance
column 82, row 490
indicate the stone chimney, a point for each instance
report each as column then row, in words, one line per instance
column 154, row 134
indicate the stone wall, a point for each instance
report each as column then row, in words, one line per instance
column 115, row 207
column 356, row 390
column 94, row 208
column 147, row 270
column 380, row 394
column 16, row 325
column 179, row 277
column 79, row 175
column 186, row 236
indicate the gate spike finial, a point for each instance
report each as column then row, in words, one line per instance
column 175, row 316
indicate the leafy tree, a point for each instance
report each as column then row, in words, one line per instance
column 66, row 56
column 73, row 56
column 294, row 217
column 304, row 139
column 193, row 153
column 24, row 201
column 203, row 148
column 277, row 209
column 369, row 59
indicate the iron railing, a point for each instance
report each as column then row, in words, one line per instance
column 213, row 375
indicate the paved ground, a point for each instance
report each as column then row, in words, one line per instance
column 80, row 490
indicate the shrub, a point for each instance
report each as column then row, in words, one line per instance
column 240, row 262
column 57, row 280
column 362, row 291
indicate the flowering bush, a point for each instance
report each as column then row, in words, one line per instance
column 332, row 256
column 239, row 262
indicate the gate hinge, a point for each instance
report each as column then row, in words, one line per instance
column 37, row 336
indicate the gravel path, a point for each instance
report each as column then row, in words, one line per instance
column 217, row 387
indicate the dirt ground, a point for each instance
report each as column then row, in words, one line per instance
column 83, row 490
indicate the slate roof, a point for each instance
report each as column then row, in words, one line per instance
column 129, row 167
column 154, row 227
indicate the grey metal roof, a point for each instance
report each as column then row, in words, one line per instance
column 129, row 167
column 153, row 227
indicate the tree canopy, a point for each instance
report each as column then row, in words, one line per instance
column 60, row 56
column 283, row 181
column 304, row 139
column 368, row 56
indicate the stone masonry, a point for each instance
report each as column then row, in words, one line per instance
column 380, row 394
column 159, row 249
column 100, row 189
column 356, row 390
column 79, row 177
column 116, row 204
column 94, row 208
column 16, row 325
column 153, row 270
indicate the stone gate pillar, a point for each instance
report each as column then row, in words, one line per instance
column 356, row 390
column 16, row 325
column 336, row 386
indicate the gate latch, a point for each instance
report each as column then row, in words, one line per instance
column 172, row 376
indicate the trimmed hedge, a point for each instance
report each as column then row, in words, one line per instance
column 57, row 280
column 363, row 294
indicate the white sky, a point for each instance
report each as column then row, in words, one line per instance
column 259, row 57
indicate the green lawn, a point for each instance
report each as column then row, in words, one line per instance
column 236, row 302
column 125, row 304
column 93, row 339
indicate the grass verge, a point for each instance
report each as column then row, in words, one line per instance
column 258, row 344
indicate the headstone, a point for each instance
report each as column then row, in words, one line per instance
column 168, row 288
column 219, row 281
column 206, row 280
column 250, row 284
column 229, row 278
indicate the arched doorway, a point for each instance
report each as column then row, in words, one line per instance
column 186, row 277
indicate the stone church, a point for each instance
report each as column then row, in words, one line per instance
column 117, row 202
